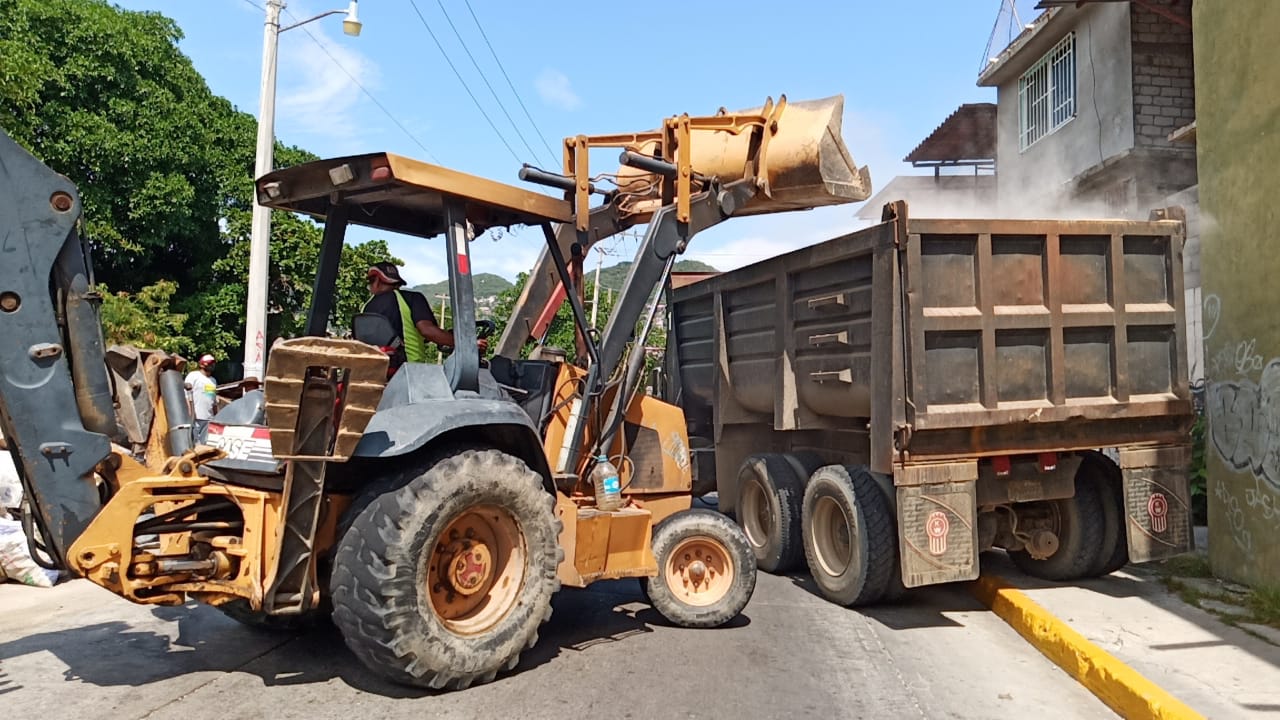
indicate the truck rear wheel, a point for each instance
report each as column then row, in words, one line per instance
column 1080, row 527
column 443, row 582
column 706, row 569
column 1114, row 552
column 849, row 536
column 769, row 495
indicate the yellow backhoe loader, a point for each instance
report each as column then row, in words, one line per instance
column 433, row 512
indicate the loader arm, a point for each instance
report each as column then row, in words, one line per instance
column 55, row 396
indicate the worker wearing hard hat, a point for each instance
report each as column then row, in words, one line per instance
column 202, row 393
column 407, row 310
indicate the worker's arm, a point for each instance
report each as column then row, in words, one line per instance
column 425, row 321
column 434, row 333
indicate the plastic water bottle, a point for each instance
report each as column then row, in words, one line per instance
column 604, row 477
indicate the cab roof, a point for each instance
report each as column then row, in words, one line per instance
column 403, row 195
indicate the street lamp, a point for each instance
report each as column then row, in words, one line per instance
column 260, row 232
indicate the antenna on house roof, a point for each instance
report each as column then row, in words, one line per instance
column 1008, row 21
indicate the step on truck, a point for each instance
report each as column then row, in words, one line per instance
column 885, row 406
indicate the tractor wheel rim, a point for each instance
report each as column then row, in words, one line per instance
column 757, row 521
column 476, row 569
column 832, row 536
column 699, row 571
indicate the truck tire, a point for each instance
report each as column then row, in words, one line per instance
column 850, row 541
column 706, row 570
column 444, row 581
column 805, row 463
column 1080, row 525
column 769, row 495
column 1115, row 545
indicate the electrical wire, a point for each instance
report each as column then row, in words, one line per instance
column 532, row 153
column 431, row 156
column 509, row 83
column 436, row 40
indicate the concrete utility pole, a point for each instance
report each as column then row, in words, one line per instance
column 444, row 310
column 255, row 316
column 255, row 319
column 595, row 291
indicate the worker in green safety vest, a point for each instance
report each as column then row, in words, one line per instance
column 407, row 310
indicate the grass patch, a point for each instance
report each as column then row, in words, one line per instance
column 1265, row 604
column 1193, row 565
column 1189, row 595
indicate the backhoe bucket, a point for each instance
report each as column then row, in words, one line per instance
column 806, row 162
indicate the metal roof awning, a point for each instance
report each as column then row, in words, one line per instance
column 966, row 138
column 399, row 194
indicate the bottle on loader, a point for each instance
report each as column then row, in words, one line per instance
column 433, row 513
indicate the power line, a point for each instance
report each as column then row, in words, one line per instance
column 510, row 84
column 532, row 153
column 363, row 89
column 466, row 87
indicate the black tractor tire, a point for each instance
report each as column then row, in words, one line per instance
column 1115, row 545
column 384, row 594
column 850, row 539
column 768, row 510
column 701, row 537
column 240, row 611
column 1081, row 535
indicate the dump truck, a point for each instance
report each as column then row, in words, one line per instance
column 886, row 405
column 432, row 511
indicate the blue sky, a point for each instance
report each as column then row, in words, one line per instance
column 902, row 65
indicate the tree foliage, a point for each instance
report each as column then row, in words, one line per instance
column 561, row 332
column 144, row 319
column 165, row 172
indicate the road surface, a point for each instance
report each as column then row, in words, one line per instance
column 78, row 652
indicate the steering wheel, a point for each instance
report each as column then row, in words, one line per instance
column 485, row 328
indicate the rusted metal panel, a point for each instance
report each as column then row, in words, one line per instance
column 950, row 338
column 1157, row 501
column 937, row 522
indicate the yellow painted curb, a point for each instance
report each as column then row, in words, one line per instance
column 1121, row 687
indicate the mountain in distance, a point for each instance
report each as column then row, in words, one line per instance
column 485, row 284
column 612, row 277
column 615, row 275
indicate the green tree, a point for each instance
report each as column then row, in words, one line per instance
column 164, row 168
column 561, row 332
column 144, row 319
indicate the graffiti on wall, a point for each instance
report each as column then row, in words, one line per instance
column 1244, row 421
column 1244, row 427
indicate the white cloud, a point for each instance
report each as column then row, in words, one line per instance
column 315, row 96
column 554, row 89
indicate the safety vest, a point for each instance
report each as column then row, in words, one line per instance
column 415, row 347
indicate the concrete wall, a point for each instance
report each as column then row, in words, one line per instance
column 1238, row 137
column 1031, row 179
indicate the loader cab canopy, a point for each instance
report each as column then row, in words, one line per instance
column 406, row 196
column 402, row 195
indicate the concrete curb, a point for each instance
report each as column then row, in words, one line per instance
column 1121, row 687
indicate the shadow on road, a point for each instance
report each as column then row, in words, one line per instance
column 118, row 653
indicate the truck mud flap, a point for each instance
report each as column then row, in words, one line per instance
column 937, row 522
column 1157, row 501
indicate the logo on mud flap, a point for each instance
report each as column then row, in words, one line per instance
column 1158, row 509
column 937, row 527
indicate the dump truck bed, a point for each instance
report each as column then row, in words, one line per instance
column 948, row 338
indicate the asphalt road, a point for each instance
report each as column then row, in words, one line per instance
column 78, row 652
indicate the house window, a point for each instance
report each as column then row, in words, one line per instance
column 1047, row 93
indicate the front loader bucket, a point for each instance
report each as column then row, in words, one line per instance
column 806, row 161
